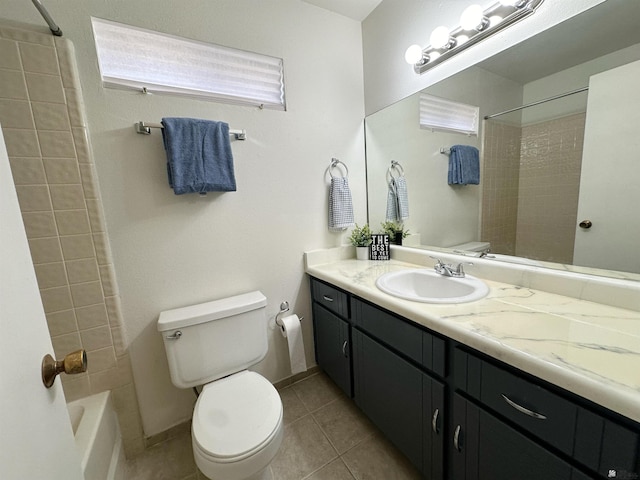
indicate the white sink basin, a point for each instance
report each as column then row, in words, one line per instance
column 430, row 287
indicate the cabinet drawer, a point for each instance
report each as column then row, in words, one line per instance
column 409, row 340
column 330, row 297
column 537, row 410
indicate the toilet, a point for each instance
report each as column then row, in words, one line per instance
column 237, row 420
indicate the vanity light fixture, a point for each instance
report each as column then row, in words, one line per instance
column 476, row 24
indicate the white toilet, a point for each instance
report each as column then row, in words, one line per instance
column 237, row 420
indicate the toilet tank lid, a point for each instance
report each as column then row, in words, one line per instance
column 205, row 312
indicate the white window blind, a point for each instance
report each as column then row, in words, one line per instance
column 446, row 115
column 131, row 57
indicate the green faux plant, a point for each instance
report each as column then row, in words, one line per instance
column 392, row 228
column 361, row 236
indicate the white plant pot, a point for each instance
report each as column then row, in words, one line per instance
column 362, row 253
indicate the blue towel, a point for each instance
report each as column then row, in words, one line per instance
column 199, row 157
column 464, row 165
column 340, row 205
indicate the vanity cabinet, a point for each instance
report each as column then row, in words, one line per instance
column 459, row 414
column 514, row 421
column 332, row 334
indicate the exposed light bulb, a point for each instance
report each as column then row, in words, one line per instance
column 495, row 20
column 460, row 39
column 413, row 54
column 433, row 56
column 440, row 37
column 472, row 17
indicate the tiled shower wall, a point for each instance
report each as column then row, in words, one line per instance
column 44, row 126
column 550, row 163
column 531, row 185
column 501, row 172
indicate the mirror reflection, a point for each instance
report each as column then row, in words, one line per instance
column 560, row 176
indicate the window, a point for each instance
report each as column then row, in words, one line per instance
column 445, row 115
column 131, row 57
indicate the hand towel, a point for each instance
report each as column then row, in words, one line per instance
column 464, row 165
column 199, row 157
column 397, row 200
column 340, row 205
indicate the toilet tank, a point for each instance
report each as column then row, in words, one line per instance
column 210, row 340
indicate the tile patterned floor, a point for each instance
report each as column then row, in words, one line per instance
column 326, row 437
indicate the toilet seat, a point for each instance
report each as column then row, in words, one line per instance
column 235, row 417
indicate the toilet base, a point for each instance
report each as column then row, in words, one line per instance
column 255, row 467
column 263, row 475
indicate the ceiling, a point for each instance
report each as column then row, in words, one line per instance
column 355, row 9
column 603, row 29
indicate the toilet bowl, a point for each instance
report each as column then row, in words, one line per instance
column 237, row 420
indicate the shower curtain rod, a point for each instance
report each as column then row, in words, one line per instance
column 55, row 29
column 556, row 97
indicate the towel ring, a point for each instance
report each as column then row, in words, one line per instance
column 335, row 163
column 397, row 167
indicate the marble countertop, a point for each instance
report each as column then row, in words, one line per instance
column 590, row 349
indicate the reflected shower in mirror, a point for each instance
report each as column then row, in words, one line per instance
column 545, row 168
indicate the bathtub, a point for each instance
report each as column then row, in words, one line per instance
column 97, row 437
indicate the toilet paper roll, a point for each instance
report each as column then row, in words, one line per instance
column 293, row 333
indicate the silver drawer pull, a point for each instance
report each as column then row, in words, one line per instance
column 327, row 298
column 524, row 410
column 344, row 348
column 456, row 439
column 434, row 421
column 175, row 336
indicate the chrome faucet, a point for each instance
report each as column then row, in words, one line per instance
column 447, row 269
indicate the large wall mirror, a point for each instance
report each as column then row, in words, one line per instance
column 545, row 168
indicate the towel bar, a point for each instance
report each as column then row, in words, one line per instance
column 145, row 129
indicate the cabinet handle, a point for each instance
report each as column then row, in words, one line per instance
column 456, row 438
column 327, row 298
column 522, row 409
column 344, row 349
column 434, row 421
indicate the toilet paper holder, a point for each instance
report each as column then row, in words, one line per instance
column 284, row 308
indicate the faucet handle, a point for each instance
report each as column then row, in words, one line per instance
column 438, row 261
column 460, row 268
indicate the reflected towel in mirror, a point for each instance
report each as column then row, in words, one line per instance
column 464, row 165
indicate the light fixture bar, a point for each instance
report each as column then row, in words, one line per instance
column 510, row 14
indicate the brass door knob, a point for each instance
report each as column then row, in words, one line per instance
column 75, row 362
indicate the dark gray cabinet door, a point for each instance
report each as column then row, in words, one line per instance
column 333, row 347
column 392, row 393
column 433, row 427
column 485, row 448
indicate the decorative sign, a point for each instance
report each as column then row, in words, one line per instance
column 379, row 249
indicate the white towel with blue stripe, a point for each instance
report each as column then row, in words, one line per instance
column 340, row 205
column 397, row 200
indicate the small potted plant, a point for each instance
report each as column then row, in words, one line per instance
column 361, row 239
column 395, row 230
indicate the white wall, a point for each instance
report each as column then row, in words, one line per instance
column 171, row 251
column 396, row 24
column 567, row 80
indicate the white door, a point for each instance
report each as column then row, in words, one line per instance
column 36, row 441
column 610, row 178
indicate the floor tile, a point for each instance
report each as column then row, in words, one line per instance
column 316, row 391
column 304, row 450
column 336, row 470
column 343, row 423
column 169, row 460
column 292, row 405
column 377, row 459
